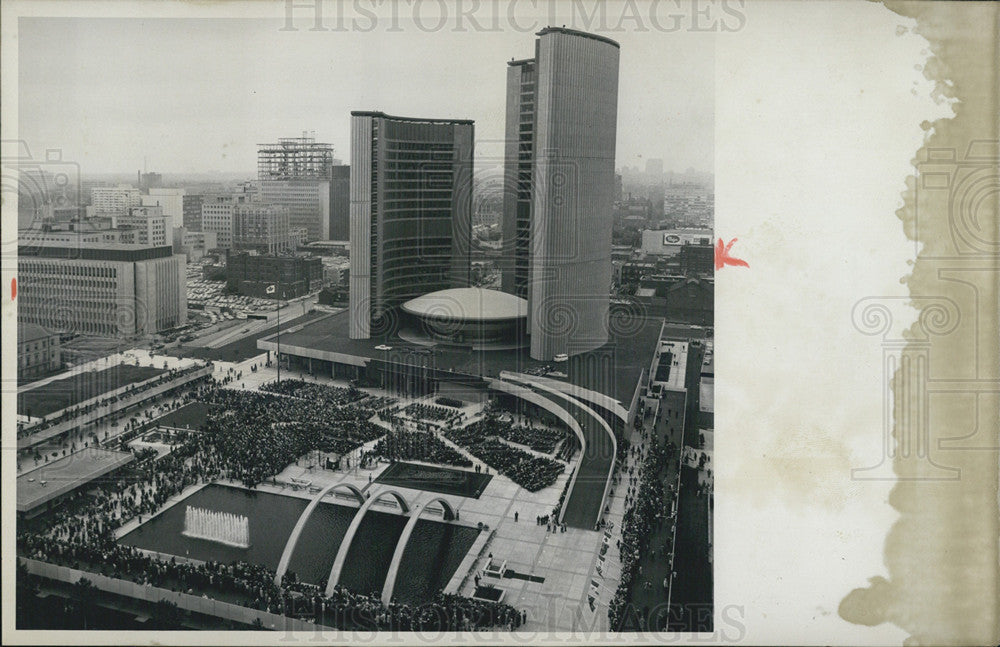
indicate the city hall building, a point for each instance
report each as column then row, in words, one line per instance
column 562, row 118
column 411, row 213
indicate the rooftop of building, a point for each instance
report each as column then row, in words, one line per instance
column 31, row 332
column 468, row 304
column 576, row 32
column 683, row 230
column 65, row 475
column 431, row 120
column 626, row 355
column 26, row 246
column 87, row 251
column 328, row 243
column 706, row 390
column 673, row 375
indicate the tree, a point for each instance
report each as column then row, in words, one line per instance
column 27, row 589
column 82, row 602
column 167, row 614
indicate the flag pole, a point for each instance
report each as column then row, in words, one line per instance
column 279, row 334
column 277, row 308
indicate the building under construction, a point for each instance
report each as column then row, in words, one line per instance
column 295, row 158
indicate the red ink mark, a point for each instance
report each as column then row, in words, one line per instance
column 13, row 289
column 722, row 257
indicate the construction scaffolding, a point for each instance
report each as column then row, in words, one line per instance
column 294, row 158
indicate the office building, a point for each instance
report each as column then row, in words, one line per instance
column 172, row 203
column 217, row 214
column 261, row 227
column 297, row 173
column 86, row 190
column 37, row 351
column 251, row 274
column 654, row 170
column 89, row 230
column 307, row 202
column 697, row 260
column 144, row 225
column 195, row 245
column 149, row 180
column 562, row 110
column 411, row 213
column 116, row 200
column 99, row 288
column 340, row 203
column 191, row 208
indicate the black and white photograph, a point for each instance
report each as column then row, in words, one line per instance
column 399, row 341
column 357, row 321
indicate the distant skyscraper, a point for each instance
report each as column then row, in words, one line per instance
column 411, row 213
column 294, row 158
column 172, row 202
column 562, row 110
column 307, row 202
column 192, row 211
column 111, row 201
column 340, row 202
column 149, row 180
column 217, row 215
column 654, row 169
column 296, row 172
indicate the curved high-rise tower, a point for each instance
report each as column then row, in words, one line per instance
column 562, row 113
column 411, row 206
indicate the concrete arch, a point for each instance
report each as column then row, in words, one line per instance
column 345, row 545
column 404, row 540
column 293, row 539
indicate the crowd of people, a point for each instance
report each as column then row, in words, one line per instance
column 130, row 392
column 259, row 434
column 540, row 439
column 531, row 472
column 647, row 507
column 421, row 411
column 423, row 446
column 333, row 395
column 252, row 586
column 246, row 437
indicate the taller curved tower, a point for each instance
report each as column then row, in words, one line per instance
column 562, row 114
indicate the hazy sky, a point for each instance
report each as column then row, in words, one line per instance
column 199, row 95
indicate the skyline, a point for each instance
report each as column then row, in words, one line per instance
column 130, row 84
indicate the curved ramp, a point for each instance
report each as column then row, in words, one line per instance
column 293, row 539
column 404, row 540
column 345, row 545
column 591, row 481
column 524, row 392
column 588, row 396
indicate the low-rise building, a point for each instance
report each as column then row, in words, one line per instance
column 292, row 276
column 38, row 351
column 261, row 227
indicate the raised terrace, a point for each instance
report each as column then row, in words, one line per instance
column 613, row 369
